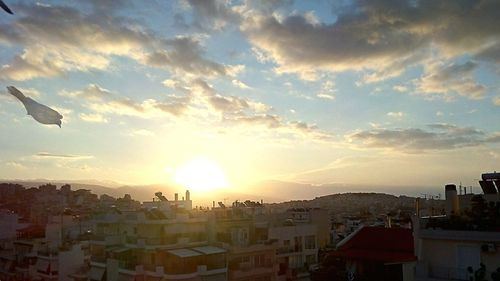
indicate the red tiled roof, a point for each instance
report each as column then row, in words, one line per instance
column 379, row 244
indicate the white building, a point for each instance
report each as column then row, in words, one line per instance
column 447, row 246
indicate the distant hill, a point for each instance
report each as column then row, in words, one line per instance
column 140, row 193
column 284, row 191
column 268, row 191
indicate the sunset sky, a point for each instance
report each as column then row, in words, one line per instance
column 359, row 92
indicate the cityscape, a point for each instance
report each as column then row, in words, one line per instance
column 57, row 233
column 249, row 140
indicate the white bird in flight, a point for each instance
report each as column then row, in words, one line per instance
column 39, row 112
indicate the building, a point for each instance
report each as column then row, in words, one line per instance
column 166, row 240
column 251, row 255
column 455, row 245
column 297, row 250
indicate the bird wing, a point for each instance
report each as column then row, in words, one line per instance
column 16, row 93
column 2, row 4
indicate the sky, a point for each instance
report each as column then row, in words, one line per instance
column 400, row 93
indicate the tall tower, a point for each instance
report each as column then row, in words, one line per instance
column 451, row 199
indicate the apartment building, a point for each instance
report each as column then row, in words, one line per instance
column 240, row 230
column 297, row 250
column 464, row 242
column 166, row 240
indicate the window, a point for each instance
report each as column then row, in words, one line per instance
column 260, row 260
column 310, row 259
column 310, row 242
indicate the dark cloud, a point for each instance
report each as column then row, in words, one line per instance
column 436, row 137
column 212, row 14
column 61, row 39
column 185, row 54
column 377, row 35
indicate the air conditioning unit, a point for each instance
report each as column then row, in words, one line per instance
column 489, row 247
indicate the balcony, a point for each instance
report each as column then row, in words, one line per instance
column 48, row 253
column 459, row 235
column 106, row 239
column 98, row 259
column 249, row 271
column 166, row 241
column 288, row 250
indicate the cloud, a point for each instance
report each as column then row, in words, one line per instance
column 93, row 117
column 102, row 101
column 239, row 84
column 141, row 133
column 212, row 14
column 15, row 165
column 496, row 100
column 398, row 114
column 42, row 155
column 400, row 88
column 185, row 54
column 327, row 90
column 383, row 38
column 435, row 137
column 56, row 40
column 449, row 80
column 59, row 39
column 243, row 112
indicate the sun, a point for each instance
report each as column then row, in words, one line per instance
column 201, row 175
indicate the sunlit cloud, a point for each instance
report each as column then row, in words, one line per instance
column 49, row 155
column 15, row 165
column 93, row 118
column 327, row 90
column 496, row 101
column 449, row 80
column 239, row 84
column 141, row 133
column 397, row 114
column 88, row 42
column 400, row 88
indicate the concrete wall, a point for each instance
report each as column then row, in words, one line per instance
column 9, row 224
column 69, row 262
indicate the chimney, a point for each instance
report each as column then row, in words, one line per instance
column 213, row 204
column 417, row 207
column 176, row 196
column 188, row 195
column 451, row 200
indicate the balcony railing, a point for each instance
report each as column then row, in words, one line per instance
column 288, row 249
column 451, row 273
column 48, row 252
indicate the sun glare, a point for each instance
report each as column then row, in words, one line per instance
column 201, row 175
